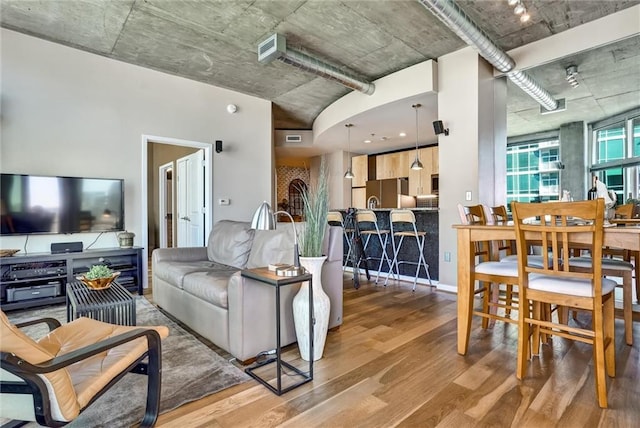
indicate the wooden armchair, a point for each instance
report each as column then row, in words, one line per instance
column 53, row 380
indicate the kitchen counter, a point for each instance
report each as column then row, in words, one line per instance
column 426, row 220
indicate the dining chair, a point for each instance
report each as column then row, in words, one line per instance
column 557, row 283
column 334, row 218
column 489, row 272
column 626, row 212
column 617, row 265
column 368, row 225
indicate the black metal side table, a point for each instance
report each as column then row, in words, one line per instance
column 265, row 276
column 115, row 305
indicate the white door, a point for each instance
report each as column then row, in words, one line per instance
column 190, row 200
column 165, row 204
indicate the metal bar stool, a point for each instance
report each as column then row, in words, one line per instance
column 334, row 218
column 368, row 218
column 406, row 217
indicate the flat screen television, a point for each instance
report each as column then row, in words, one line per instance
column 39, row 204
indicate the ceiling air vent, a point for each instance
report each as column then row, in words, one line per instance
column 272, row 48
column 293, row 139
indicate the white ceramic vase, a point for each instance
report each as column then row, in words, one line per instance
column 321, row 307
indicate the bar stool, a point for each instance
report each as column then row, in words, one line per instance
column 397, row 218
column 366, row 218
column 334, row 218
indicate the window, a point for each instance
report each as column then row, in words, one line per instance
column 610, row 143
column 636, row 136
column 532, row 172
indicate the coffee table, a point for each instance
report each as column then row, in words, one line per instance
column 115, row 305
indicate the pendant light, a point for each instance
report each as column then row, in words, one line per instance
column 349, row 174
column 416, row 165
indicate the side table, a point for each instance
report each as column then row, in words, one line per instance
column 115, row 305
column 265, row 276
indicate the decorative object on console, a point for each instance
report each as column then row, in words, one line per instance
column 8, row 252
column 264, row 219
column 316, row 208
column 125, row 239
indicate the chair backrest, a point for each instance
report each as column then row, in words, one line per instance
column 335, row 217
column 366, row 216
column 500, row 216
column 63, row 401
column 557, row 232
column 475, row 214
column 624, row 211
column 402, row 216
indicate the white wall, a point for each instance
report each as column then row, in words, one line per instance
column 68, row 112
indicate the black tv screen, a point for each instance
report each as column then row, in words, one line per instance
column 39, row 204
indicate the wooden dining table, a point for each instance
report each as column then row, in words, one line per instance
column 625, row 238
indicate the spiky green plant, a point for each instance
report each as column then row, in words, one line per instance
column 98, row 271
column 316, row 205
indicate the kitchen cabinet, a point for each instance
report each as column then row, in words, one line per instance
column 435, row 160
column 420, row 180
column 392, row 165
column 360, row 169
column 359, row 197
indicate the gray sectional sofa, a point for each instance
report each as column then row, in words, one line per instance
column 203, row 288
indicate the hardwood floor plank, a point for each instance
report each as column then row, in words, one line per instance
column 394, row 362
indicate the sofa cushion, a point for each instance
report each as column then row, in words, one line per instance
column 272, row 246
column 230, row 243
column 174, row 272
column 210, row 286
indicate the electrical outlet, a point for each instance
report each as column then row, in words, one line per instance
column 447, row 256
column 467, row 196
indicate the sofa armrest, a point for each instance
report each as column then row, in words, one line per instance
column 334, row 242
column 185, row 254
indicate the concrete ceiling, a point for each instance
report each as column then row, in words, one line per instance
column 215, row 42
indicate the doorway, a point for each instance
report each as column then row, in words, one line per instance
column 150, row 183
column 165, row 205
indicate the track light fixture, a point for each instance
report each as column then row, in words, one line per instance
column 572, row 75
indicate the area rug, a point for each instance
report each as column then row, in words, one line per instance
column 190, row 371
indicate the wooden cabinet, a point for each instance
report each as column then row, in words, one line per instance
column 360, row 169
column 420, row 180
column 392, row 165
column 41, row 279
column 359, row 197
column 435, row 160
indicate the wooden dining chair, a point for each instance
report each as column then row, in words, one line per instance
column 556, row 283
column 489, row 273
column 626, row 212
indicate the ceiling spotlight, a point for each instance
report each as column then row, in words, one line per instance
column 403, row 134
column 572, row 75
column 367, row 141
column 519, row 9
column 525, row 16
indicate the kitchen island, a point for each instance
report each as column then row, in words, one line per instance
column 427, row 221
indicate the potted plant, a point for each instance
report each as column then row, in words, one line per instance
column 315, row 208
column 99, row 277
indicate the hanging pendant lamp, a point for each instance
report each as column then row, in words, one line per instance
column 349, row 174
column 416, row 165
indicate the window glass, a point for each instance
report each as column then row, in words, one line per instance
column 532, row 172
column 636, row 136
column 610, row 143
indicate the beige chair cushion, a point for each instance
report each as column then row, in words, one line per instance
column 230, row 243
column 64, row 405
column 74, row 387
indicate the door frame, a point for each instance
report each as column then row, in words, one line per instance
column 144, row 190
column 162, row 201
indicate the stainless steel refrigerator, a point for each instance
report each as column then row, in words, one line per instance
column 387, row 191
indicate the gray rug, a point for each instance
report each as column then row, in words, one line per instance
column 190, row 370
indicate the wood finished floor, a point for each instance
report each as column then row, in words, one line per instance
column 394, row 363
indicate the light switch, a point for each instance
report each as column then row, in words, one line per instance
column 467, row 196
column 224, row 201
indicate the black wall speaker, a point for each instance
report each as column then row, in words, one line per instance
column 218, row 146
column 66, row 247
column 439, row 128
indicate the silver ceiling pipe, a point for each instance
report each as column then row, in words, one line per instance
column 453, row 17
column 275, row 47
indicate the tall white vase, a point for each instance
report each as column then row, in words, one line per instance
column 321, row 307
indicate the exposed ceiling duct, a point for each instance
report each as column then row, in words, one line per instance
column 453, row 17
column 275, row 47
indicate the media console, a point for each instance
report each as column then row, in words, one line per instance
column 41, row 278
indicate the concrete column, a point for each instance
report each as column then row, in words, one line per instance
column 472, row 104
column 573, row 155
